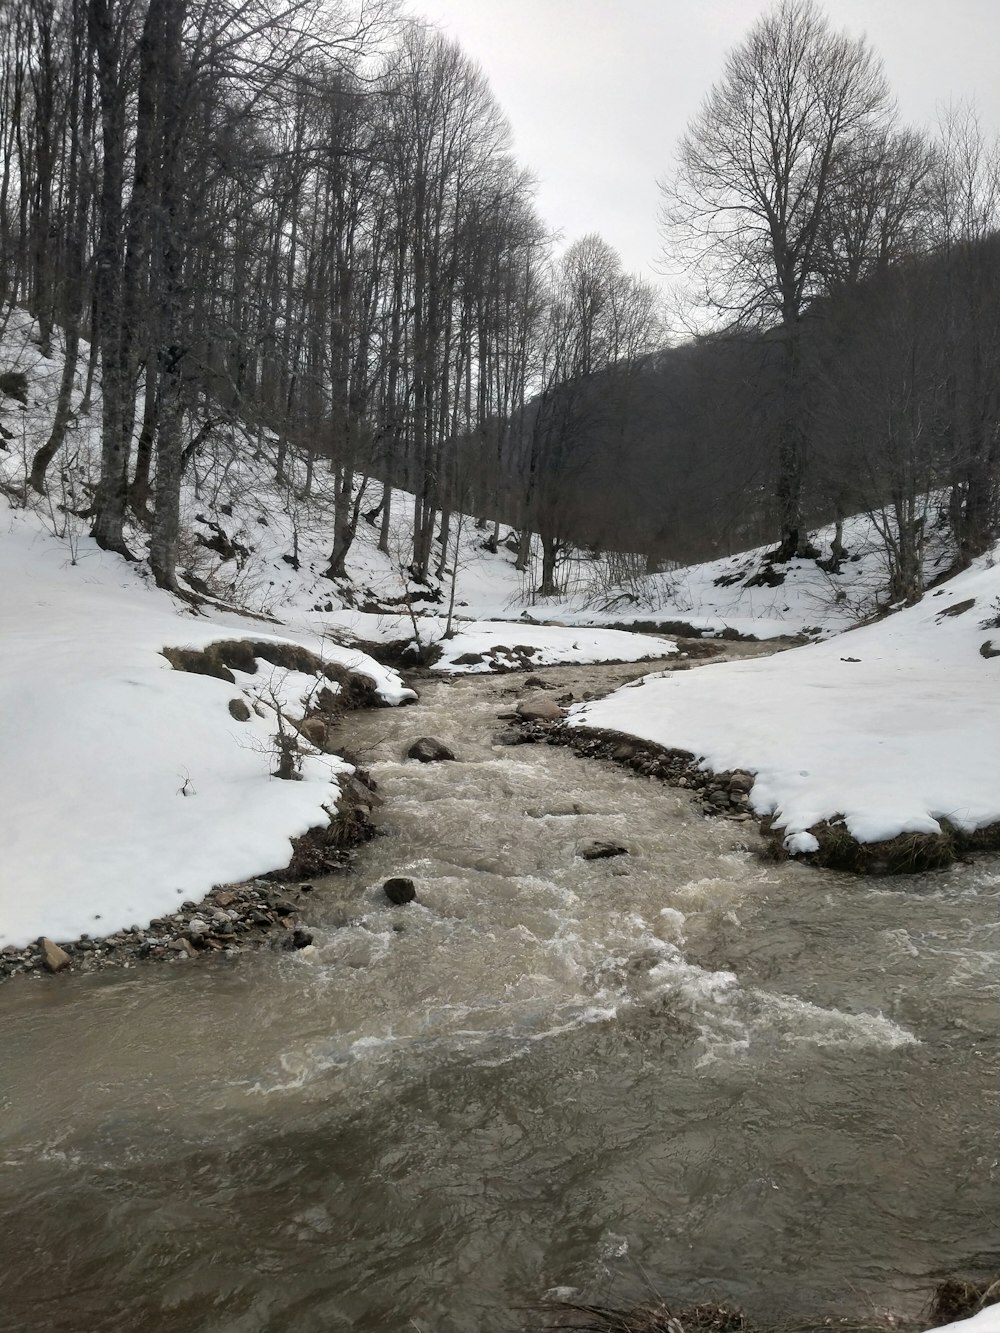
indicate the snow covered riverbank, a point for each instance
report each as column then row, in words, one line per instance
column 126, row 786
column 892, row 729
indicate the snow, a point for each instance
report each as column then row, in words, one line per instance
column 502, row 644
column 894, row 726
column 126, row 786
column 548, row 645
column 986, row 1321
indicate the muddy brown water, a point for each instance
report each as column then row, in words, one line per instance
column 683, row 1071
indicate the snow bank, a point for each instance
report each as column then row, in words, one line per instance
column 543, row 645
column 894, row 726
column 127, row 787
column 986, row 1321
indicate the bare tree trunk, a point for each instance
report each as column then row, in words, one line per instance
column 550, row 554
column 48, row 451
column 383, row 537
column 140, row 492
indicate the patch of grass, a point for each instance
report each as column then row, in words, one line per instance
column 956, row 1299
column 221, row 659
column 705, row 1318
column 906, row 854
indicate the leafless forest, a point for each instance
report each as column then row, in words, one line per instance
column 307, row 217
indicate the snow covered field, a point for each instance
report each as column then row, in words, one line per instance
column 895, row 726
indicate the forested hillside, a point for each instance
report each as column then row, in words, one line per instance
column 304, row 222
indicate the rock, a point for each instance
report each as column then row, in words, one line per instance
column 542, row 709
column 295, row 939
column 718, row 797
column 399, row 890
column 536, row 683
column 429, row 751
column 315, row 731
column 598, row 851
column 54, row 959
column 468, row 659
column 238, row 710
column 14, row 384
column 741, row 781
column 364, row 796
column 196, row 927
column 988, row 650
column 183, row 946
column 224, row 899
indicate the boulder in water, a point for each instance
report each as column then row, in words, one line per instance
column 399, row 890
column 428, row 750
column 541, row 709
column 599, row 851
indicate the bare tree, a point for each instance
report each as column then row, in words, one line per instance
column 966, row 218
column 759, row 168
column 599, row 322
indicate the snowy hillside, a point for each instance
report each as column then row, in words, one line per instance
column 264, row 546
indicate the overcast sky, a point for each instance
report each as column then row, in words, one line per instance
column 599, row 91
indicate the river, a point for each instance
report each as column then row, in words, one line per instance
column 682, row 1071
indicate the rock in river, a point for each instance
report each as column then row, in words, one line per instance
column 429, row 751
column 399, row 890
column 598, row 851
column 541, row 709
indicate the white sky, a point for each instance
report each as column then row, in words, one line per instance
column 599, row 91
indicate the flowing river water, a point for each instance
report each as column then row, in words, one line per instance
column 683, row 1071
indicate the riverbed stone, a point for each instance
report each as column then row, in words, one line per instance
column 54, row 959
column 429, row 750
column 299, row 938
column 399, row 890
column 542, row 709
column 600, row 850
